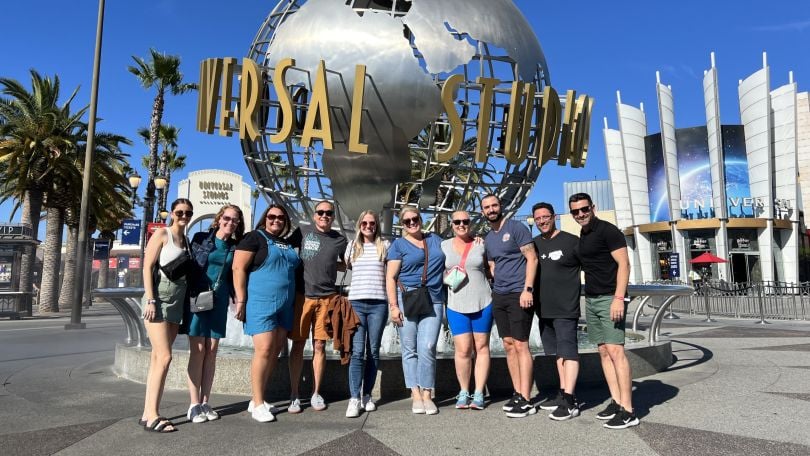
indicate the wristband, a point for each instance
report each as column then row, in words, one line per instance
column 619, row 297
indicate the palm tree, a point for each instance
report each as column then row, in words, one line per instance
column 169, row 160
column 35, row 133
column 109, row 200
column 163, row 73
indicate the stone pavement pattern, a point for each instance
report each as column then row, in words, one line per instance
column 736, row 388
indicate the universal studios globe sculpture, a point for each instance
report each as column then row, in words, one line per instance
column 391, row 103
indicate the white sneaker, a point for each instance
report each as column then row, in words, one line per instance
column 196, row 414
column 353, row 410
column 368, row 403
column 262, row 414
column 317, row 403
column 270, row 407
column 210, row 413
column 295, row 406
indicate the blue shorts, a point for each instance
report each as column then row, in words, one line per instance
column 476, row 322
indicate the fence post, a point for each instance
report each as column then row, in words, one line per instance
column 706, row 304
column 760, row 299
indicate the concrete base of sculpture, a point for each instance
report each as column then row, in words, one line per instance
column 233, row 372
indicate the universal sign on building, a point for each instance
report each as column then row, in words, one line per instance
column 733, row 190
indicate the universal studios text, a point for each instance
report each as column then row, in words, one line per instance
column 561, row 132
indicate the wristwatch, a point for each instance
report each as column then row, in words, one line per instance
column 530, row 289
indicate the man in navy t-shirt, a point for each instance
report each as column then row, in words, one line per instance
column 512, row 263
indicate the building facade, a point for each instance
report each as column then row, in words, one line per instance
column 733, row 190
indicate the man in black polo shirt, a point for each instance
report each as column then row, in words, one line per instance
column 557, row 285
column 603, row 251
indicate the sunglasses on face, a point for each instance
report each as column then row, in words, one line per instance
column 368, row 224
column 584, row 210
column 274, row 217
column 321, row 213
column 186, row 214
column 410, row 221
column 227, row 219
column 464, row 222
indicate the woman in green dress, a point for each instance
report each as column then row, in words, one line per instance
column 213, row 253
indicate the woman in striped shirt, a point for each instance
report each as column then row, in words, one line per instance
column 365, row 255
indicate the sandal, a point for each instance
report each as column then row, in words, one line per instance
column 141, row 422
column 159, row 425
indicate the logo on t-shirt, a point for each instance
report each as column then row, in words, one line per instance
column 506, row 237
column 310, row 247
column 555, row 255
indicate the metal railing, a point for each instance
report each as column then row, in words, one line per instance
column 664, row 296
column 761, row 301
column 126, row 302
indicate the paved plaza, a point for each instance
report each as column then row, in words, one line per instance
column 736, row 388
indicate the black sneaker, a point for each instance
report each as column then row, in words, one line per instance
column 507, row 406
column 609, row 412
column 522, row 409
column 552, row 403
column 566, row 411
column 622, row 420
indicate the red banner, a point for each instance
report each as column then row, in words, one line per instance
column 151, row 228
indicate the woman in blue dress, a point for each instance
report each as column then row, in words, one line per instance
column 213, row 252
column 264, row 280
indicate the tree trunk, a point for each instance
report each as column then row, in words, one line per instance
column 51, row 261
column 69, row 275
column 154, row 124
column 32, row 206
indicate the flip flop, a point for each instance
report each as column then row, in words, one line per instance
column 141, row 422
column 159, row 425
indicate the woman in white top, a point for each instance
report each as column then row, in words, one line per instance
column 365, row 255
column 469, row 310
column 163, row 303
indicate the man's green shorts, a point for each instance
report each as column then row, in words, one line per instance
column 601, row 329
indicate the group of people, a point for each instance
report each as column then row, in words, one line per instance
column 283, row 283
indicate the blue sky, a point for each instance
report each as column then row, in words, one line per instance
column 594, row 47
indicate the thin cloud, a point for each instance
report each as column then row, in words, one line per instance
column 787, row 27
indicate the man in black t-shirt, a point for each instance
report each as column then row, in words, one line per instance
column 603, row 251
column 557, row 287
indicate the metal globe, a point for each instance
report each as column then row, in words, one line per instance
column 409, row 49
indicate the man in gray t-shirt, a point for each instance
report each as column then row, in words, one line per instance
column 513, row 263
column 321, row 249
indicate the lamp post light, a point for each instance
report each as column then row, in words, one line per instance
column 530, row 222
column 164, row 214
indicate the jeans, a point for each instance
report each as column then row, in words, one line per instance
column 373, row 315
column 417, row 340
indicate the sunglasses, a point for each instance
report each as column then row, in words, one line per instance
column 186, row 214
column 584, row 210
column 464, row 222
column 227, row 219
column 411, row 221
column 321, row 213
column 274, row 217
column 368, row 224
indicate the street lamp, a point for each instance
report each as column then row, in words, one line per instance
column 134, row 183
column 530, row 222
column 160, row 182
column 163, row 214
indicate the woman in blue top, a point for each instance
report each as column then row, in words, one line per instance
column 418, row 335
column 264, row 282
column 213, row 253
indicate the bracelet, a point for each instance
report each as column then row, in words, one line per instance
column 619, row 297
column 150, row 301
